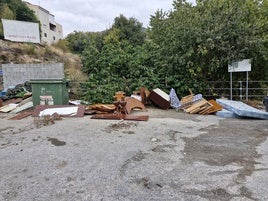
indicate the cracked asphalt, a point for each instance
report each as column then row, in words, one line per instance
column 173, row 156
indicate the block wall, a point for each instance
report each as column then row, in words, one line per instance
column 14, row 74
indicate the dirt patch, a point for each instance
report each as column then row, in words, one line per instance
column 120, row 126
column 56, row 142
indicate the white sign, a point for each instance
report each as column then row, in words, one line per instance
column 21, row 31
column 240, row 66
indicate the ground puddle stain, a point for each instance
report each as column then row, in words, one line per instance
column 56, row 142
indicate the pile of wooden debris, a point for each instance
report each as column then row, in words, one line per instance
column 196, row 104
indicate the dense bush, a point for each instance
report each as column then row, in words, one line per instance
column 184, row 48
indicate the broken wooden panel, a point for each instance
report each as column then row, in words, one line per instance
column 132, row 103
column 189, row 101
column 202, row 108
column 196, row 106
column 21, row 115
column 8, row 108
column 102, row 107
column 160, row 98
column 215, row 107
column 13, row 100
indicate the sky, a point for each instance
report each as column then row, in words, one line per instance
column 98, row 15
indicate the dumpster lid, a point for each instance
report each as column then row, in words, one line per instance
column 37, row 81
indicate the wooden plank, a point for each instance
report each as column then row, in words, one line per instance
column 196, row 105
column 200, row 109
column 216, row 107
column 21, row 115
column 136, row 118
column 108, row 116
column 8, row 108
column 120, row 117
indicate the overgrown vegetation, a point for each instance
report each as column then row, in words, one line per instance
column 184, row 48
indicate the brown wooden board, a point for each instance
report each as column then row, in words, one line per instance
column 108, row 116
column 216, row 107
column 120, row 117
column 13, row 100
column 21, row 115
column 136, row 118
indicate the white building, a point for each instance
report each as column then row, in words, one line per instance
column 51, row 31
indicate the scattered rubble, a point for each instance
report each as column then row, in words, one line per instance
column 46, row 120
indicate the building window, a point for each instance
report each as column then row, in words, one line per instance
column 54, row 38
column 45, row 34
column 52, row 27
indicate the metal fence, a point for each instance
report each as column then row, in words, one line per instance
column 256, row 89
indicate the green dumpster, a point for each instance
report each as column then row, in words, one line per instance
column 49, row 92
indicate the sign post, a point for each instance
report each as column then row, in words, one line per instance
column 239, row 66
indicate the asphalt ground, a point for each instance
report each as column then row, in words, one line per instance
column 172, row 156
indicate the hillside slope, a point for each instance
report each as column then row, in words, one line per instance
column 28, row 53
column 23, row 53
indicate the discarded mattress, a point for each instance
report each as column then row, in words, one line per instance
column 226, row 114
column 242, row 109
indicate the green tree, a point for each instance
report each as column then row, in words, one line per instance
column 5, row 13
column 196, row 43
column 15, row 10
column 121, row 64
column 130, row 29
column 79, row 41
column 20, row 9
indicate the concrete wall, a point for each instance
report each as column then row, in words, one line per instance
column 14, row 74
